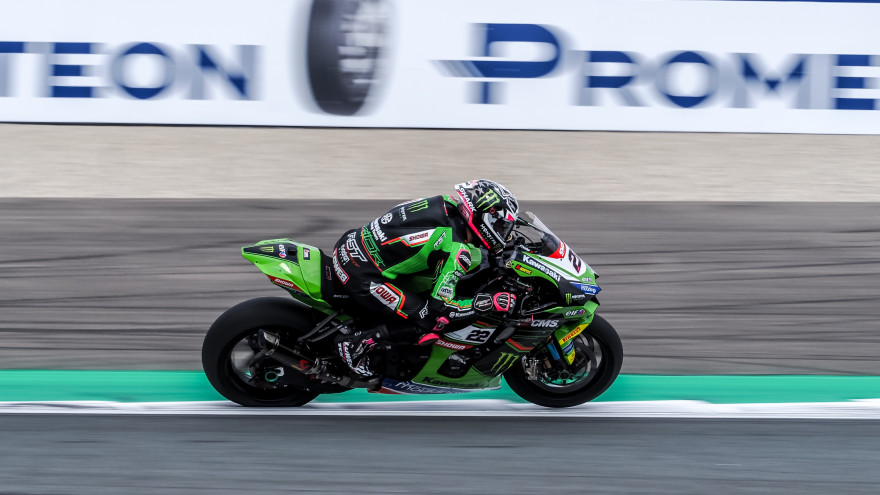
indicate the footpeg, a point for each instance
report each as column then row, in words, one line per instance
column 530, row 366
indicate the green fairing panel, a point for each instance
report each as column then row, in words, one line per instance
column 310, row 263
column 430, row 375
column 293, row 266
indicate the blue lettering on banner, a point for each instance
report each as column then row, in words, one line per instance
column 191, row 68
column 853, row 83
column 69, row 70
column 143, row 93
column 506, row 69
column 693, row 58
column 608, row 77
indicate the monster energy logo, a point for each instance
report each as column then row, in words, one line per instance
column 505, row 360
column 370, row 244
column 418, row 206
column 487, row 200
column 568, row 299
column 268, row 249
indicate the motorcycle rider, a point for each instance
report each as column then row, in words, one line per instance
column 440, row 235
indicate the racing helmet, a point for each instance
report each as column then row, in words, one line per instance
column 489, row 209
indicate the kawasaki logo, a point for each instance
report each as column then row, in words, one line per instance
column 531, row 262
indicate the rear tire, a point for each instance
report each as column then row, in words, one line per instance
column 600, row 370
column 231, row 332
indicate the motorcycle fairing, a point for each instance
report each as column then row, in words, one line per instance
column 293, row 266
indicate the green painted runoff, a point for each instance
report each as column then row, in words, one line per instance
column 171, row 386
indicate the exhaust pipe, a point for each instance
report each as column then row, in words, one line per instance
column 272, row 347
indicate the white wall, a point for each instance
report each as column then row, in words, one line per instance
column 679, row 65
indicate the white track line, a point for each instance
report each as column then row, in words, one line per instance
column 855, row 409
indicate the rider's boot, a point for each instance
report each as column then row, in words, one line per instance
column 355, row 348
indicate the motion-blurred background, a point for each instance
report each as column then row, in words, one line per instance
column 714, row 161
column 749, row 249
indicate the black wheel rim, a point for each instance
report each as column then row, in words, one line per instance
column 256, row 373
column 590, row 359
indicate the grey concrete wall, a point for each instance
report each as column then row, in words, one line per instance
column 217, row 162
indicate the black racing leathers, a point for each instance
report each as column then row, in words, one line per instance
column 379, row 264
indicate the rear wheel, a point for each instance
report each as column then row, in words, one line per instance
column 597, row 360
column 235, row 366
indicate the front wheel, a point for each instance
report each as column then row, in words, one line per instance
column 234, row 365
column 597, row 360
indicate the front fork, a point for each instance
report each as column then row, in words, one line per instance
column 560, row 352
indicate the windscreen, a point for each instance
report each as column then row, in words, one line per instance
column 539, row 239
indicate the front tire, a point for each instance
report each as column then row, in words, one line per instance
column 598, row 357
column 229, row 340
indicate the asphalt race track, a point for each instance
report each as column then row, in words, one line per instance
column 84, row 455
column 693, row 288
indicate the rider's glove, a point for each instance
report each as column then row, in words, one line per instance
column 501, row 302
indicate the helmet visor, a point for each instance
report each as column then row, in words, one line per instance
column 501, row 226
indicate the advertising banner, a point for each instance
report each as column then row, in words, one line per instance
column 639, row 65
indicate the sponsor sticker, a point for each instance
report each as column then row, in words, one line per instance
column 440, row 240
column 342, row 255
column 576, row 312
column 483, row 302
column 464, row 259
column 451, row 345
column 574, row 333
column 352, row 248
column 267, row 249
column 411, row 388
column 285, row 283
column 417, row 206
column 522, row 269
column 372, row 249
column 461, row 314
column 340, row 273
column 282, row 251
column 386, row 218
column 440, row 383
column 377, row 231
column 418, row 238
column 388, row 295
column 306, row 253
column 587, row 288
column 545, row 323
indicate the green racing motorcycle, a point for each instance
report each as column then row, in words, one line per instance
column 553, row 349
